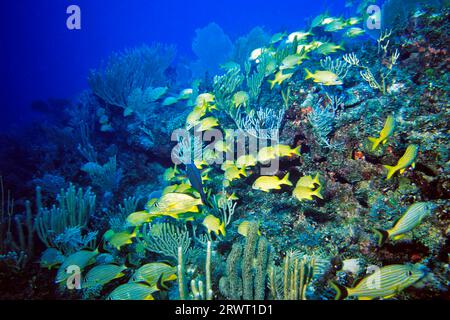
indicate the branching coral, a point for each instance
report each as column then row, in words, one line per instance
column 337, row 66
column 142, row 102
column 117, row 220
column 263, row 123
column 322, row 120
column 256, row 78
column 6, row 214
column 85, row 148
column 225, row 207
column 244, row 45
column 247, row 266
column 224, row 88
column 292, row 280
column 107, row 177
column 212, row 47
column 72, row 240
column 138, row 68
column 129, row 206
column 73, row 210
column 16, row 246
column 200, row 290
column 389, row 61
column 188, row 149
column 136, row 81
column 165, row 239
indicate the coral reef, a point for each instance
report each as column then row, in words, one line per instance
column 110, row 201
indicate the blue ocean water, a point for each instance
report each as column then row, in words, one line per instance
column 42, row 59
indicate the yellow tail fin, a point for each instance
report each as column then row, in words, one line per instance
column 222, row 229
column 391, row 171
column 135, row 232
column 375, row 142
column 286, row 181
column 272, row 83
column 296, row 151
column 317, row 193
column 398, row 237
column 309, row 75
column 316, row 179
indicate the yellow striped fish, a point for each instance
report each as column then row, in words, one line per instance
column 244, row 226
column 267, row 183
column 132, row 291
column 410, row 219
column 120, row 239
column 308, row 182
column 152, row 272
column 137, row 219
column 282, row 150
column 233, row 173
column 385, row 133
column 178, row 188
column 385, row 282
column 303, row 193
column 81, row 259
column 176, row 203
column 101, row 275
column 194, row 117
column 408, row 159
column 170, row 173
column 247, row 160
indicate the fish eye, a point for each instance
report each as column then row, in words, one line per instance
column 409, row 273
